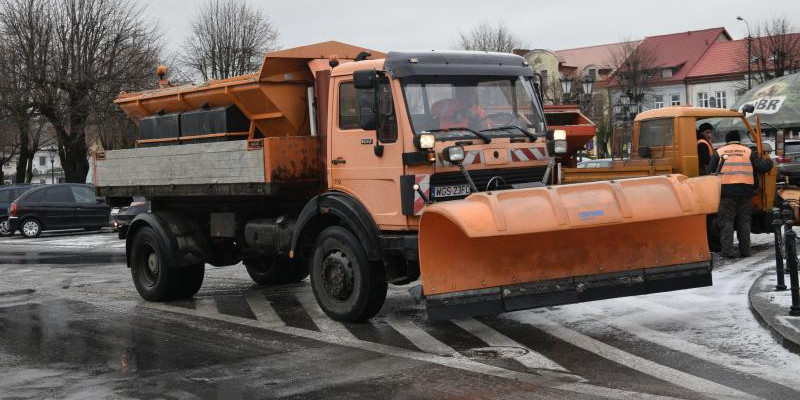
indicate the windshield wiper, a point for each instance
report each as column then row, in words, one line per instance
column 504, row 127
column 461, row 128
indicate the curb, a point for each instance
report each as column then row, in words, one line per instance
column 778, row 332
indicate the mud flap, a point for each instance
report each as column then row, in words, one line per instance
column 527, row 248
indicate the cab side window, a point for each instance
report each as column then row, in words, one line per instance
column 348, row 106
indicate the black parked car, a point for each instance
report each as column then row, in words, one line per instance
column 122, row 217
column 7, row 196
column 61, row 206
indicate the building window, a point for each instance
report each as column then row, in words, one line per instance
column 666, row 73
column 658, row 101
column 722, row 99
column 675, row 99
column 42, row 160
column 702, row 99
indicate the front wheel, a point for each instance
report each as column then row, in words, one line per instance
column 346, row 285
column 5, row 228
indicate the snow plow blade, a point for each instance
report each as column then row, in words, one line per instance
column 526, row 248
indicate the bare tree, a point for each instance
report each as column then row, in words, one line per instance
column 775, row 50
column 78, row 55
column 636, row 66
column 489, row 37
column 228, row 38
column 9, row 146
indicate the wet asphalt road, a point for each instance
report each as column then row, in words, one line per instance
column 72, row 326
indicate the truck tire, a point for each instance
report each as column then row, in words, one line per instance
column 346, row 285
column 276, row 270
column 154, row 278
column 191, row 280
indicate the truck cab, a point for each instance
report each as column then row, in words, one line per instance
column 664, row 141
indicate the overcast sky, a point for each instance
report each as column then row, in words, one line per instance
column 434, row 24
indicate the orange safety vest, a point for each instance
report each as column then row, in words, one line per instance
column 708, row 146
column 737, row 168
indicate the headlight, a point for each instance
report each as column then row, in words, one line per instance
column 560, row 141
column 425, row 141
column 454, row 154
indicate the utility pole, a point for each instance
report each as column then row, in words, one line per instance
column 749, row 54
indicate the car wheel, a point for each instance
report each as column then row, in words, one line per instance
column 30, row 228
column 5, row 229
column 346, row 285
column 277, row 270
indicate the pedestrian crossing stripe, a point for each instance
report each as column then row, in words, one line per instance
column 540, row 369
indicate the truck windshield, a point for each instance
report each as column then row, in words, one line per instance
column 724, row 125
column 453, row 106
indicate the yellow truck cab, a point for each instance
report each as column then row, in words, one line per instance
column 664, row 141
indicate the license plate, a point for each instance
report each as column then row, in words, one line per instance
column 450, row 191
column 114, row 211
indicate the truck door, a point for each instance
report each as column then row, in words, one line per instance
column 367, row 164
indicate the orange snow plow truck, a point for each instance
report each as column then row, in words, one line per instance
column 362, row 169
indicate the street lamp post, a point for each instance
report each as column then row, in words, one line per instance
column 583, row 98
column 52, row 152
column 749, row 53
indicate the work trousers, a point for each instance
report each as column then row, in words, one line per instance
column 734, row 213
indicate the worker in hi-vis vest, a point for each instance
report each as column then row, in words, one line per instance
column 738, row 176
column 704, row 148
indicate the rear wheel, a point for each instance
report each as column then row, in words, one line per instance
column 31, row 228
column 5, row 229
column 346, row 285
column 155, row 279
column 275, row 270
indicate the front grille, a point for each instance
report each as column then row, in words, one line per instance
column 481, row 177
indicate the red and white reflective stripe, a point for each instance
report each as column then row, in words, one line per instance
column 526, row 154
column 424, row 182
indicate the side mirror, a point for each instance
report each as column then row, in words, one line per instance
column 365, row 79
column 644, row 152
column 748, row 109
column 367, row 114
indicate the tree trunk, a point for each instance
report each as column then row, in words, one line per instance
column 24, row 150
column 73, row 158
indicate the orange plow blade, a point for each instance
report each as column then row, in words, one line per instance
column 525, row 248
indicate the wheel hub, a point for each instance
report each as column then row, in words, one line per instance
column 337, row 275
column 4, row 228
column 30, row 228
column 152, row 264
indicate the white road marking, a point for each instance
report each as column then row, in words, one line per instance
column 713, row 356
column 418, row 337
column 563, row 382
column 631, row 361
column 322, row 321
column 491, row 337
column 206, row 306
column 262, row 309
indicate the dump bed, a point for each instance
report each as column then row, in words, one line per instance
column 242, row 168
column 245, row 136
